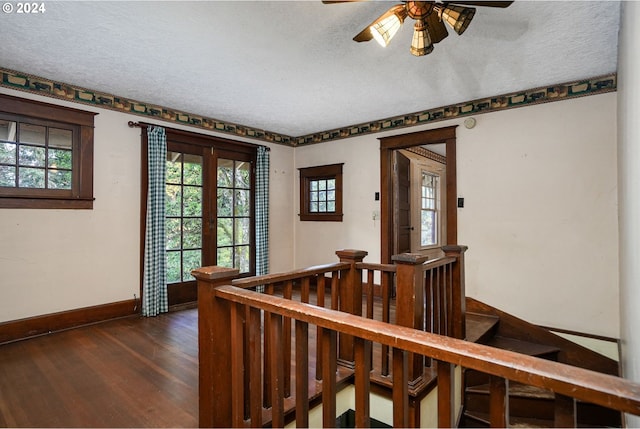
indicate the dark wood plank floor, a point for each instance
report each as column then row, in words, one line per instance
column 133, row 372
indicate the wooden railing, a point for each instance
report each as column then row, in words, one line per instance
column 246, row 347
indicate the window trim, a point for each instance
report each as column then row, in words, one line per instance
column 322, row 172
column 436, row 210
column 82, row 123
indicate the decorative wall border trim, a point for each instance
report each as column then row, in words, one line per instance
column 41, row 86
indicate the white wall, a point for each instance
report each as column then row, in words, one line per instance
column 540, row 215
column 629, row 190
column 56, row 260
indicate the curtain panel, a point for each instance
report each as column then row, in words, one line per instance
column 262, row 211
column 155, row 300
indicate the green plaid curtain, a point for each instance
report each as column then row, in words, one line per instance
column 262, row 211
column 154, row 287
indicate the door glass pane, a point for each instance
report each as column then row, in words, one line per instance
column 33, row 156
column 234, row 218
column 7, row 176
column 59, row 179
column 62, row 139
column 31, row 178
column 34, row 134
column 183, row 213
column 7, row 130
column 7, row 153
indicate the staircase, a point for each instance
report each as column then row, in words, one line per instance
column 528, row 406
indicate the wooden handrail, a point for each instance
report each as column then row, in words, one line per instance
column 597, row 388
column 292, row 275
column 387, row 268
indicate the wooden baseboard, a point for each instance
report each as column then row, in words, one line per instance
column 38, row 325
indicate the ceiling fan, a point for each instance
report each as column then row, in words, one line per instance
column 429, row 19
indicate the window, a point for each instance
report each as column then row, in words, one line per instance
column 183, row 214
column 321, row 193
column 46, row 155
column 429, row 210
column 234, row 214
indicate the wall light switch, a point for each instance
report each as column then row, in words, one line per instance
column 460, row 202
column 376, row 196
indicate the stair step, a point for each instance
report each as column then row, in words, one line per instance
column 517, row 390
column 523, row 347
column 478, row 419
column 480, row 327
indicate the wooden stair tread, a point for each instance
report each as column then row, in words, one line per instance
column 523, row 347
column 479, row 325
column 517, row 390
column 514, row 422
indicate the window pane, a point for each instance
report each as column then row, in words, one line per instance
column 225, row 257
column 34, row 134
column 173, row 267
column 59, row 179
column 32, row 156
column 242, row 231
column 225, row 173
column 60, row 138
column 192, row 169
column 225, row 202
column 7, row 130
column 172, row 231
column 331, row 196
column 331, row 184
column 225, row 232
column 314, row 207
column 174, row 167
column 192, row 201
column 243, row 203
column 191, row 259
column 243, row 178
column 313, row 196
column 192, row 233
column 59, row 158
column 242, row 258
column 428, row 228
column 322, row 185
column 322, row 207
column 31, row 178
column 7, row 176
column 322, row 196
column 314, row 185
column 173, row 200
column 331, row 206
column 7, row 153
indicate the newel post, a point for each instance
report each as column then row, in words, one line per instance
column 214, row 347
column 350, row 294
column 458, row 293
column 410, row 301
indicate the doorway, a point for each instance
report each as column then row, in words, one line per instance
column 391, row 232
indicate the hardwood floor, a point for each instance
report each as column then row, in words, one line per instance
column 132, row 372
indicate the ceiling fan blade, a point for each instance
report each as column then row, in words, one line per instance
column 437, row 29
column 502, row 4
column 365, row 35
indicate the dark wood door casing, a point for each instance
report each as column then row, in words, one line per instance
column 388, row 145
column 402, row 204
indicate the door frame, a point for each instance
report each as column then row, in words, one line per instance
column 446, row 135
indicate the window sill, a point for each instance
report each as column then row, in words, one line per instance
column 321, row 217
column 46, row 203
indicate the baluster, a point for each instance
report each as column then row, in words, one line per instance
column 255, row 368
column 237, row 362
column 446, row 397
column 304, row 290
column 329, row 369
column 266, row 395
column 247, row 363
column 369, row 292
column 286, row 341
column 302, row 368
column 498, row 402
column 565, row 412
column 277, row 372
column 387, row 280
column 428, row 317
column 362, row 355
column 400, row 392
column 320, row 303
column 334, row 290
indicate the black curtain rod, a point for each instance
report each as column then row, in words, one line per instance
column 143, row 125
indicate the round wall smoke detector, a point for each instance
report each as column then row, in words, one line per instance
column 469, row 123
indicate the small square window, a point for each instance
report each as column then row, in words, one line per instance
column 321, row 193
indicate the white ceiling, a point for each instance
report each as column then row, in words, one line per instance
column 291, row 67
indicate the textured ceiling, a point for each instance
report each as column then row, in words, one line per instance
column 291, row 67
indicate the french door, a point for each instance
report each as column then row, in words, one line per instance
column 209, row 213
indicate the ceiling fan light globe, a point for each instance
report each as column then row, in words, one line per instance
column 458, row 17
column 384, row 30
column 421, row 43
